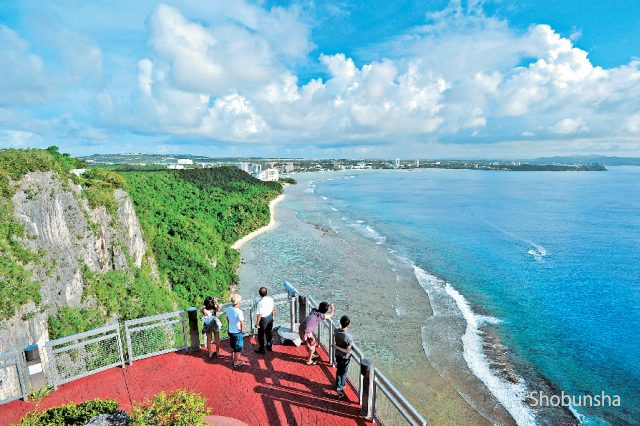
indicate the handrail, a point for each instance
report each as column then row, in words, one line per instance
column 79, row 336
column 152, row 318
column 368, row 374
column 398, row 400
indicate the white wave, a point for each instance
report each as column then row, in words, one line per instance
column 510, row 395
column 360, row 221
column 378, row 238
column 334, row 209
column 324, row 198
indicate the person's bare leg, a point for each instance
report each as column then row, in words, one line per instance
column 209, row 344
column 216, row 335
column 312, row 350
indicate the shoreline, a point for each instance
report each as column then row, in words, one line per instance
column 272, row 224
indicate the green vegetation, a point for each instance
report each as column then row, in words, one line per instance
column 125, row 294
column 70, row 414
column 178, row 408
column 98, row 186
column 73, row 320
column 288, row 180
column 190, row 219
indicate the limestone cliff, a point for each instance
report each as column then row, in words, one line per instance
column 68, row 236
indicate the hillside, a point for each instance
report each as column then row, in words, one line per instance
column 74, row 254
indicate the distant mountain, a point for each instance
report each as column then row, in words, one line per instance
column 590, row 159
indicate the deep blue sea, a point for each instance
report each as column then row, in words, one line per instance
column 554, row 256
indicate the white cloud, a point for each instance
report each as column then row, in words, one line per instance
column 569, row 126
column 22, row 73
column 226, row 71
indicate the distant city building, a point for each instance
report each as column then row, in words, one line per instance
column 78, row 172
column 288, row 168
column 256, row 169
column 397, row 163
column 185, row 162
column 417, row 163
column 175, row 167
column 245, row 167
column 269, row 175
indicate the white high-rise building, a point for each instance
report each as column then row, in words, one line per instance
column 269, row 175
column 256, row 169
column 397, row 163
column 185, row 162
column 417, row 163
column 245, row 167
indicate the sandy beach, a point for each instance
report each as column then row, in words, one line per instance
column 272, row 224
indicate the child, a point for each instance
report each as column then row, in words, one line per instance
column 236, row 329
column 310, row 323
column 211, row 323
column 343, row 344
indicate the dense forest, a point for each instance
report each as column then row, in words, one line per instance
column 190, row 219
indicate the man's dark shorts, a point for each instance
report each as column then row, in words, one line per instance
column 236, row 340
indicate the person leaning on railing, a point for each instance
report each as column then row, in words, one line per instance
column 343, row 342
column 308, row 326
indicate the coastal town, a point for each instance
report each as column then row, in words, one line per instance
column 272, row 169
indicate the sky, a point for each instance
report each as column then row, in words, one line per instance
column 313, row 78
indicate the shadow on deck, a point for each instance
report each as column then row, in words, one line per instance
column 276, row 388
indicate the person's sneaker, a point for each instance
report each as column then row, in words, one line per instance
column 270, row 349
column 340, row 394
column 259, row 351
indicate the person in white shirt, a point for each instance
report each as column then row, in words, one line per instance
column 235, row 317
column 264, row 320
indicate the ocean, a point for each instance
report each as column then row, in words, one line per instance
column 491, row 285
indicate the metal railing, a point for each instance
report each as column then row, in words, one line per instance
column 381, row 401
column 155, row 335
column 84, row 354
column 13, row 382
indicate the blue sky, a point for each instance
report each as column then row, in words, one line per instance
column 429, row 79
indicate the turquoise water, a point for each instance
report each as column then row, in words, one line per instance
column 554, row 256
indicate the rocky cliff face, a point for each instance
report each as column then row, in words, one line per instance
column 68, row 235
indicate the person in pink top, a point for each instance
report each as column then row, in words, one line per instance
column 310, row 323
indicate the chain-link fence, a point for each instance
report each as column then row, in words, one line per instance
column 155, row 335
column 13, row 381
column 83, row 354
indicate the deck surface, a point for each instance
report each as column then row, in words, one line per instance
column 274, row 389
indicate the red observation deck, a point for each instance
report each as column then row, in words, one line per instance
column 274, row 389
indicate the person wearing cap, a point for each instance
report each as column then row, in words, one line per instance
column 235, row 317
column 264, row 320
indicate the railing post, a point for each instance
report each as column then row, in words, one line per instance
column 194, row 333
column 366, row 390
column 292, row 312
column 302, row 308
column 332, row 344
